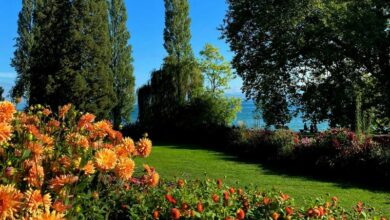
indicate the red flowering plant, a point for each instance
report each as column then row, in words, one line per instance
column 64, row 165
column 212, row 199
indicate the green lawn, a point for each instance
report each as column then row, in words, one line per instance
column 191, row 163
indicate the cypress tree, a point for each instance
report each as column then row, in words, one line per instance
column 71, row 56
column 121, row 63
column 180, row 61
column 24, row 42
column 1, row 93
column 51, row 29
column 86, row 66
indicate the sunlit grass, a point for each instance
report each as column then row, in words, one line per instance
column 191, row 163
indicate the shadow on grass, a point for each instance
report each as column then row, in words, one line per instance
column 292, row 170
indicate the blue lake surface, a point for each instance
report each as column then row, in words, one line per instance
column 247, row 117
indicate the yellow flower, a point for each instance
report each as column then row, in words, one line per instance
column 125, row 168
column 49, row 216
column 126, row 149
column 5, row 132
column 35, row 201
column 7, row 111
column 89, row 168
column 102, row 129
column 10, row 201
column 105, row 159
column 152, row 177
column 144, row 147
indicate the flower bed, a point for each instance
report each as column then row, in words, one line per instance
column 212, row 199
column 66, row 165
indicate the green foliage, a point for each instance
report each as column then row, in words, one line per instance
column 207, row 109
column 21, row 60
column 1, row 94
column 283, row 140
column 217, row 72
column 179, row 80
column 180, row 62
column 175, row 161
column 121, row 64
column 212, row 199
column 310, row 54
column 71, row 56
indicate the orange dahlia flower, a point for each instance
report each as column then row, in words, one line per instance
column 105, row 159
column 64, row 110
column 144, row 147
column 10, row 201
column 89, row 168
column 86, row 121
column 49, row 216
column 59, row 182
column 36, row 201
column 125, row 168
column 59, row 206
column 5, row 132
column 35, row 174
column 7, row 111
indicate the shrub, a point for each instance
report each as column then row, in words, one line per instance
column 283, row 141
column 64, row 165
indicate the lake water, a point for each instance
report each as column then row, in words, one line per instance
column 247, row 117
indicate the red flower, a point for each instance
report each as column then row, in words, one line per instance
column 266, row 200
column 231, row 190
column 359, row 207
column 225, row 195
column 170, row 199
column 155, row 214
column 322, row 210
column 180, row 183
column 175, row 213
column 199, row 207
column 240, row 214
column 184, row 206
column 284, row 197
column 275, row 216
column 289, row 211
column 296, row 140
column 215, row 198
column 219, row 182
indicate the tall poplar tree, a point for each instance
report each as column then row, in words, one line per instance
column 24, row 42
column 180, row 61
column 121, row 63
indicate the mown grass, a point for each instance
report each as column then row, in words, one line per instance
column 191, row 163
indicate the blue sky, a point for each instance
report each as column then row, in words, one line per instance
column 146, row 25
